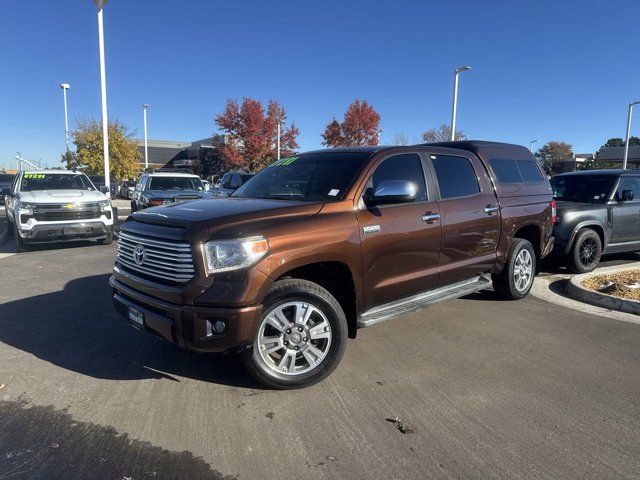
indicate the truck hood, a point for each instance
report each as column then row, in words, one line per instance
column 229, row 215
column 62, row 196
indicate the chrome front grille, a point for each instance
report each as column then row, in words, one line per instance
column 164, row 259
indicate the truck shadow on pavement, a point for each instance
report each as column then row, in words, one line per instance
column 41, row 442
column 79, row 330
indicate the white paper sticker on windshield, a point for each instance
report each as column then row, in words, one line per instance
column 333, row 192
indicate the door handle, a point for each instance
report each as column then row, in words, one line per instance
column 490, row 209
column 430, row 217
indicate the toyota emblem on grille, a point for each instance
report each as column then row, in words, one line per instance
column 139, row 254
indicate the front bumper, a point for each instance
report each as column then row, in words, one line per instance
column 189, row 326
column 48, row 232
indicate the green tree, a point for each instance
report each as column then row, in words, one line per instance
column 442, row 134
column 552, row 153
column 595, row 162
column 124, row 156
column 70, row 159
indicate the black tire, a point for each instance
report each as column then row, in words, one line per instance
column 108, row 240
column 291, row 290
column 21, row 245
column 504, row 283
column 585, row 252
column 10, row 231
column 133, row 206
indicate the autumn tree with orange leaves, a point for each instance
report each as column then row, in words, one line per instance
column 361, row 126
column 251, row 134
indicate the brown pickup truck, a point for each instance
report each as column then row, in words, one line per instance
column 320, row 244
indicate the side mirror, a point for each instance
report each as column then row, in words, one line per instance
column 104, row 189
column 627, row 195
column 391, row 191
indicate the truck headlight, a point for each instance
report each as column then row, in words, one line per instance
column 104, row 204
column 228, row 255
column 27, row 206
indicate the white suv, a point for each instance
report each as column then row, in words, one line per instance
column 57, row 205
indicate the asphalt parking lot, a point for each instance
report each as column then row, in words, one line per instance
column 491, row 389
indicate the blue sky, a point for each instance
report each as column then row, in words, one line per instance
column 559, row 70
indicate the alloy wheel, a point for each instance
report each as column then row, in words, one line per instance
column 294, row 338
column 523, row 270
column 588, row 251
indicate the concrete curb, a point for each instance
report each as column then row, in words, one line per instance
column 577, row 291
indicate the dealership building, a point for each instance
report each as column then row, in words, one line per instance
column 201, row 156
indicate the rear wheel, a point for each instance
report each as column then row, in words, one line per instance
column 516, row 278
column 585, row 252
column 301, row 338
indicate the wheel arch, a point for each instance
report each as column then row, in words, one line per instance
column 532, row 233
column 595, row 226
column 337, row 278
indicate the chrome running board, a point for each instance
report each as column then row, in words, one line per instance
column 406, row 305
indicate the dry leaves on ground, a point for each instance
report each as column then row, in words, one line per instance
column 620, row 284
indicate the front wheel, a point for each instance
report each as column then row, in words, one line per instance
column 21, row 245
column 516, row 278
column 301, row 338
column 108, row 239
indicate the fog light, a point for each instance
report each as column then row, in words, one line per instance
column 215, row 327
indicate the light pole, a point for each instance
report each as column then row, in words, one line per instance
column 455, row 99
column 531, row 145
column 278, row 138
column 626, row 143
column 146, row 152
column 65, row 87
column 103, row 90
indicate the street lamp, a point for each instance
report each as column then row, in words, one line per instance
column 626, row 143
column 278, row 138
column 455, row 99
column 531, row 145
column 65, row 87
column 103, row 90
column 146, row 153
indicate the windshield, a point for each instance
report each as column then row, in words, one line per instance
column 54, row 181
column 317, row 177
column 175, row 183
column 582, row 188
column 6, row 178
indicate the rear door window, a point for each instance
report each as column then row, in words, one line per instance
column 456, row 176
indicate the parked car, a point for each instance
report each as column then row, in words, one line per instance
column 57, row 205
column 230, row 182
column 126, row 188
column 323, row 243
column 598, row 213
column 100, row 183
column 164, row 188
column 5, row 184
